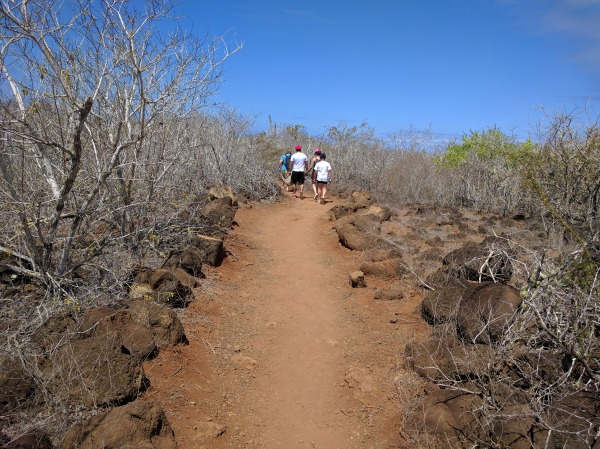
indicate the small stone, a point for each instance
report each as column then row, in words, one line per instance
column 357, row 279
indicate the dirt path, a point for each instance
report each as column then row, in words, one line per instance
column 283, row 352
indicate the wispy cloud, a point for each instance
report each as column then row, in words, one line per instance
column 307, row 15
column 582, row 3
column 575, row 20
column 579, row 18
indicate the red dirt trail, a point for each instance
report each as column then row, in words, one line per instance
column 283, row 352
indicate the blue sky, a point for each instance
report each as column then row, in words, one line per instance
column 451, row 65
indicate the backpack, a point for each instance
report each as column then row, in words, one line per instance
column 286, row 160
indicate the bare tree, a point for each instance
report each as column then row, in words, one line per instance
column 564, row 173
column 86, row 91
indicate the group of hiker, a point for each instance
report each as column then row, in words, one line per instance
column 295, row 167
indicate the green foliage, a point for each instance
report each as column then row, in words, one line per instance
column 491, row 144
column 484, row 170
column 583, row 274
column 563, row 172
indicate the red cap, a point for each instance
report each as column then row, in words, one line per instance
column 298, row 147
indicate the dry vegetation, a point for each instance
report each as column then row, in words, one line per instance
column 106, row 139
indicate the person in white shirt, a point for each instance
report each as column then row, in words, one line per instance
column 323, row 169
column 316, row 158
column 299, row 164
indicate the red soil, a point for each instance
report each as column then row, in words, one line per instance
column 283, row 352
